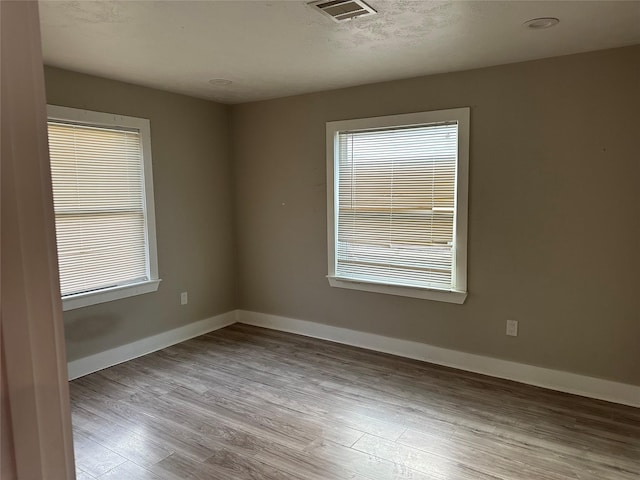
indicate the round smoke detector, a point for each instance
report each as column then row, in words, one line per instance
column 541, row 23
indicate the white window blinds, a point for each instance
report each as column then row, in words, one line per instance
column 99, row 202
column 396, row 205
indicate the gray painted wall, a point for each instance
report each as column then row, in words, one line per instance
column 554, row 229
column 194, row 213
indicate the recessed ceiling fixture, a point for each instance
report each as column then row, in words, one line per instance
column 343, row 10
column 541, row 23
column 220, row 82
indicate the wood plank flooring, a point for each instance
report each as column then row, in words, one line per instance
column 250, row 403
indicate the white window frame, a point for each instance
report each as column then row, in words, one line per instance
column 459, row 269
column 109, row 120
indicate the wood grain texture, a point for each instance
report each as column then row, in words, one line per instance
column 249, row 403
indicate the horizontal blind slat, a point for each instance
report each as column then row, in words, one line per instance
column 98, row 187
column 396, row 201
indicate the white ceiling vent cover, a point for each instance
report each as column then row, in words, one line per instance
column 343, row 10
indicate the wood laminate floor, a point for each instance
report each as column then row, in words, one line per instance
column 249, row 403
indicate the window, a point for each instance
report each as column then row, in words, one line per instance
column 397, row 204
column 103, row 202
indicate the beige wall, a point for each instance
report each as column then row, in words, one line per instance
column 554, row 212
column 554, row 229
column 191, row 173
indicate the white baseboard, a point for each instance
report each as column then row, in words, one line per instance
column 109, row 358
column 542, row 377
column 519, row 372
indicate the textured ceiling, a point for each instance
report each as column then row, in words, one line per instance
column 277, row 48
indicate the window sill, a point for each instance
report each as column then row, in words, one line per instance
column 449, row 296
column 80, row 300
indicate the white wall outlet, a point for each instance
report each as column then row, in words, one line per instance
column 184, row 298
column 512, row 328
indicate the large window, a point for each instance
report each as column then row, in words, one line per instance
column 397, row 213
column 103, row 202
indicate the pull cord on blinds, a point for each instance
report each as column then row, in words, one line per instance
column 396, row 205
column 98, row 190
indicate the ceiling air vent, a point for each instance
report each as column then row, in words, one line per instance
column 343, row 10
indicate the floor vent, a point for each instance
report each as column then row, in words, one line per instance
column 343, row 10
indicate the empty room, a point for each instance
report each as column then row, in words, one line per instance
column 340, row 239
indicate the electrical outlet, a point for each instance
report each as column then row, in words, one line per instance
column 184, row 298
column 512, row 328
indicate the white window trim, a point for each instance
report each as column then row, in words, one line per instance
column 79, row 300
column 461, row 116
column 101, row 119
